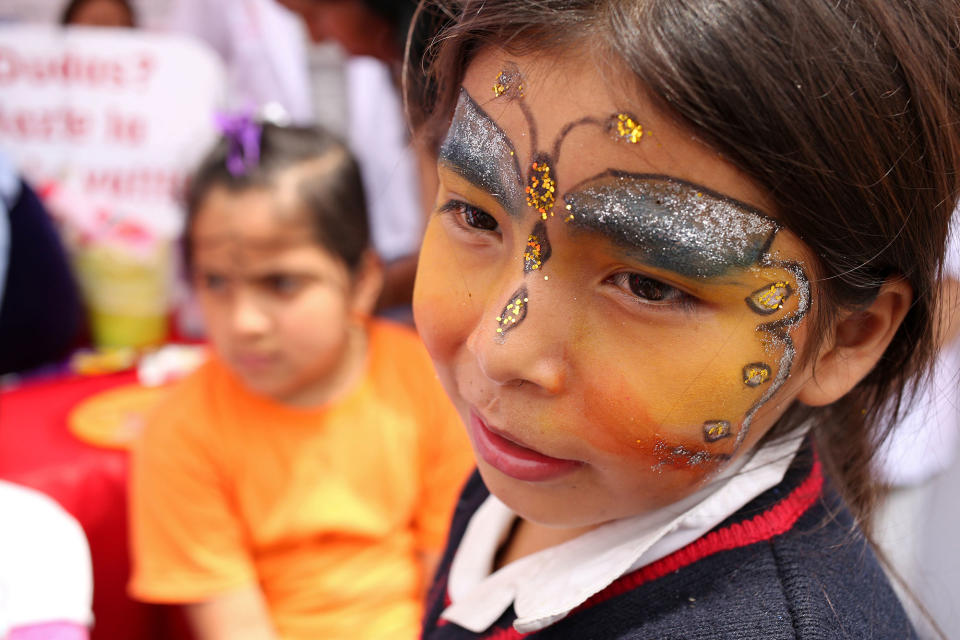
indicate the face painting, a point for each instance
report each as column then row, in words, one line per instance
column 606, row 300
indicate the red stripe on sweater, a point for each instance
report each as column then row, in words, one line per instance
column 774, row 521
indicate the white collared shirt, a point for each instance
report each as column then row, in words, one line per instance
column 546, row 586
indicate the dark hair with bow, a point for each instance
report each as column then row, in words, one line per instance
column 251, row 155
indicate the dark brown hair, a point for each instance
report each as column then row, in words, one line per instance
column 843, row 111
column 330, row 191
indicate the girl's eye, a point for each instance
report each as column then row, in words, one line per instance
column 282, row 284
column 213, row 282
column 471, row 216
column 651, row 291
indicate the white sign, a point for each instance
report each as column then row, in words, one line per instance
column 114, row 116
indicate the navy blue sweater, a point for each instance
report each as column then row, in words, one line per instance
column 790, row 564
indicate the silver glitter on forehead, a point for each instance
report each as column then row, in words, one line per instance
column 478, row 150
column 671, row 224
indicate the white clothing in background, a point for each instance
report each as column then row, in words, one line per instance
column 377, row 136
column 45, row 572
column 267, row 55
column 926, row 440
column 264, row 47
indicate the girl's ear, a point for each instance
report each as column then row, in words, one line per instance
column 367, row 283
column 858, row 342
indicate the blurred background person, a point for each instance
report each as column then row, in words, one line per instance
column 41, row 313
column 342, row 76
column 99, row 13
column 300, row 484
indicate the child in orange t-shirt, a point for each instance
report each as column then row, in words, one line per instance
column 299, row 485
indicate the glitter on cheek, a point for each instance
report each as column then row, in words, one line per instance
column 755, row 374
column 541, row 191
column 683, row 457
column 769, row 299
column 537, row 251
column 714, row 430
column 513, row 313
column 625, row 128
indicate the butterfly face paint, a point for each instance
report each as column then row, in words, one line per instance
column 660, row 307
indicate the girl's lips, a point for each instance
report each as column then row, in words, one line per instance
column 515, row 460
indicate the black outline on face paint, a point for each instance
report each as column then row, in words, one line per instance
column 749, row 377
column 779, row 330
column 714, row 430
column 539, row 235
column 764, row 310
column 510, row 318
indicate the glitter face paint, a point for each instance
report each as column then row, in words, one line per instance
column 538, row 248
column 541, row 191
column 714, row 430
column 514, row 312
column 626, row 128
column 769, row 299
column 671, row 224
column 651, row 393
column 480, row 152
column 755, row 374
column 509, row 82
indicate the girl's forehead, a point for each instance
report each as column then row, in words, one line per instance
column 588, row 117
column 253, row 216
column 565, row 137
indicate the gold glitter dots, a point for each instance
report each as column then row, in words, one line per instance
column 755, row 374
column 508, row 81
column 626, row 128
column 714, row 430
column 537, row 250
column 542, row 188
column 769, row 299
column 513, row 313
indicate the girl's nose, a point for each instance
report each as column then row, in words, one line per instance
column 520, row 340
column 250, row 319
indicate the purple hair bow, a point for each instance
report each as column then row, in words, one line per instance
column 243, row 135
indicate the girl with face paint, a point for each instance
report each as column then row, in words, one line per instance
column 673, row 276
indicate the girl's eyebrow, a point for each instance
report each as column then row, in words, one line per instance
column 479, row 151
column 671, row 224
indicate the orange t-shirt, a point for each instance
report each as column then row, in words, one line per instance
column 325, row 509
